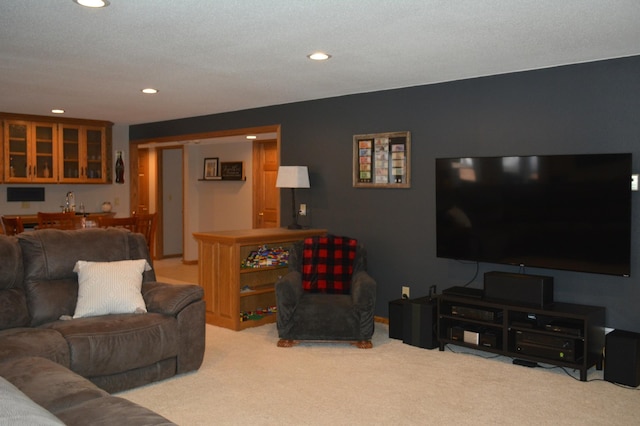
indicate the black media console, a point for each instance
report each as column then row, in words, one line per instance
column 562, row 334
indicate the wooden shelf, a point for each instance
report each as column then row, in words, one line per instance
column 256, row 292
column 262, row 268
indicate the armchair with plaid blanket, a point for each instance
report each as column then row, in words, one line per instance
column 327, row 293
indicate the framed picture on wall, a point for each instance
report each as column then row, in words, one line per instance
column 382, row 160
column 232, row 170
column 211, row 169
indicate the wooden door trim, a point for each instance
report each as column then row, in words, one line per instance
column 133, row 153
column 274, row 128
column 159, row 206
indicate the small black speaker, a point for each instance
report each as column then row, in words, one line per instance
column 518, row 289
column 396, row 309
column 622, row 358
column 419, row 322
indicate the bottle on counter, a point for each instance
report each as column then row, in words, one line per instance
column 119, row 168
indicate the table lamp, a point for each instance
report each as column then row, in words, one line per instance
column 293, row 177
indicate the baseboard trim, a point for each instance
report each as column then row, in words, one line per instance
column 382, row 320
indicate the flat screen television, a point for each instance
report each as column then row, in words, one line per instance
column 567, row 212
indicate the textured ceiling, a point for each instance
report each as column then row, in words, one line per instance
column 209, row 56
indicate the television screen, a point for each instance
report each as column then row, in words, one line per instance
column 569, row 212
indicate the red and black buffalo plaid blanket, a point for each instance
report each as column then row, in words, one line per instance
column 327, row 264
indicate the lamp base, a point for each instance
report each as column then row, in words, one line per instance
column 294, row 226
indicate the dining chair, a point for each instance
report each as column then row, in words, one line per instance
column 12, row 225
column 118, row 222
column 67, row 220
column 146, row 224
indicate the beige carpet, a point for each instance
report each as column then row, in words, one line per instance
column 173, row 271
column 245, row 379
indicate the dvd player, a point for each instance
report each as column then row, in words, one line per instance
column 473, row 313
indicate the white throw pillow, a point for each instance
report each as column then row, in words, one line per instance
column 110, row 287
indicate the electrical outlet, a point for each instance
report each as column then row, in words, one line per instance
column 405, row 292
column 303, row 210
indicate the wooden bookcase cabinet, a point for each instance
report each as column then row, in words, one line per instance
column 220, row 274
column 43, row 149
column 585, row 322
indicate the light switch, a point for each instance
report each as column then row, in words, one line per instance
column 634, row 182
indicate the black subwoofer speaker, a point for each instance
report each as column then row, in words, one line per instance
column 518, row 289
column 419, row 322
column 396, row 311
column 622, row 358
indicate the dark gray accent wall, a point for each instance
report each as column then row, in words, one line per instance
column 584, row 108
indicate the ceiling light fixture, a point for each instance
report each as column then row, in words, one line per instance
column 57, row 111
column 319, row 56
column 149, row 90
column 92, row 3
column 251, row 137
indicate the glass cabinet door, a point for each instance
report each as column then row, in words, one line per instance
column 95, row 153
column 43, row 168
column 30, row 152
column 70, row 153
column 17, row 154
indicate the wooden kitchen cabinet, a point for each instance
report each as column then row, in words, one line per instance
column 83, row 154
column 42, row 149
column 30, row 150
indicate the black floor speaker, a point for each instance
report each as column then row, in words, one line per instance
column 419, row 323
column 414, row 321
column 396, row 308
column 622, row 358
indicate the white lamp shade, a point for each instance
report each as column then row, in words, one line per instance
column 292, row 177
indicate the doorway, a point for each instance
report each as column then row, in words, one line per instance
column 266, row 200
column 170, row 202
column 140, row 185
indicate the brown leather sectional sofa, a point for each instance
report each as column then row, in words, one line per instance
column 65, row 363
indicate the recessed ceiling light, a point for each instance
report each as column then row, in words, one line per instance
column 319, row 56
column 57, row 111
column 251, row 137
column 92, row 3
column 150, row 90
